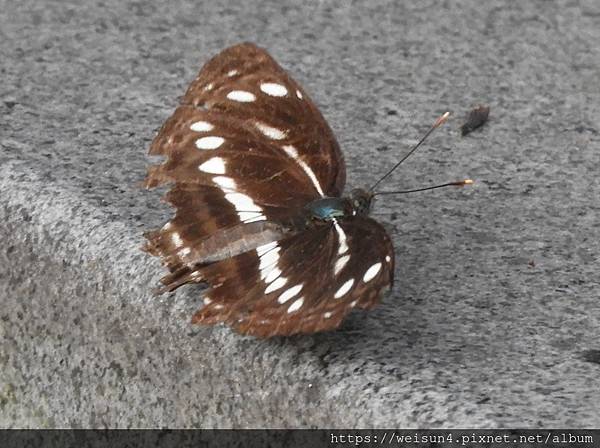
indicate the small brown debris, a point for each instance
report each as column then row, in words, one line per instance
column 477, row 117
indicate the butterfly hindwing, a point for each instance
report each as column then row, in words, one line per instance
column 303, row 284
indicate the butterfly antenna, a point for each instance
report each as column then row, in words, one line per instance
column 440, row 121
column 460, row 183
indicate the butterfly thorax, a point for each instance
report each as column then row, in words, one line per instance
column 330, row 208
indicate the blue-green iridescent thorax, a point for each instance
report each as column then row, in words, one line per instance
column 325, row 209
column 329, row 208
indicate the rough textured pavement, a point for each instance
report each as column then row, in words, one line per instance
column 494, row 317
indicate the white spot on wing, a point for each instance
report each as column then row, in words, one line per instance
column 290, row 151
column 232, row 73
column 273, row 274
column 388, row 258
column 241, row 96
column 269, row 131
column 344, row 289
column 273, row 89
column 327, row 315
column 268, row 259
column 201, row 126
column 207, row 301
column 226, row 183
column 176, row 239
column 267, row 273
column 261, row 250
column 214, row 165
column 247, row 209
column 340, row 263
column 289, row 293
column 185, row 251
column 279, row 283
column 211, row 142
column 341, row 238
column 242, row 202
column 371, row 272
column 248, row 217
column 293, row 153
column 296, row 305
column 299, row 94
column 209, row 87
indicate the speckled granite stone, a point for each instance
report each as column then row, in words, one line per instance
column 495, row 310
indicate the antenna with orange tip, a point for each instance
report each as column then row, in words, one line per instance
column 440, row 121
column 460, row 183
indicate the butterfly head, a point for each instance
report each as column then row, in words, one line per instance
column 328, row 209
column 362, row 200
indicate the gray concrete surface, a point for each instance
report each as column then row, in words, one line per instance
column 495, row 312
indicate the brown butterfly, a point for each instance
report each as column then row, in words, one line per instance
column 257, row 181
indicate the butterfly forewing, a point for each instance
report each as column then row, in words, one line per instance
column 245, row 82
column 242, row 101
column 212, row 149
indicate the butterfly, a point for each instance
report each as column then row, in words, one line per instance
column 257, row 183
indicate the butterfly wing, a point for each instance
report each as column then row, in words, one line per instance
column 246, row 144
column 304, row 284
column 244, row 117
column 245, row 82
